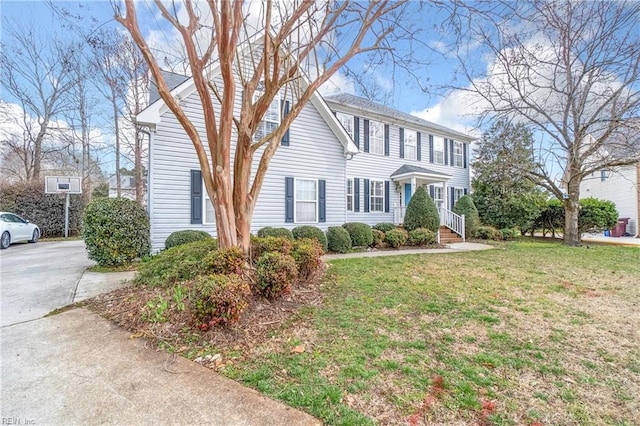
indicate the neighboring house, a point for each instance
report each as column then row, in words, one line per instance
column 127, row 187
column 620, row 186
column 343, row 159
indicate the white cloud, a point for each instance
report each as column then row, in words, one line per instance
column 338, row 83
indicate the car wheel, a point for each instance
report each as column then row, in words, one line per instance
column 36, row 235
column 5, row 240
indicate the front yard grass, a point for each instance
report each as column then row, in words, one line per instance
column 530, row 333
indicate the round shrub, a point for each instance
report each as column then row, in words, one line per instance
column 219, row 299
column 422, row 237
column 465, row 206
column 384, row 226
column 275, row 274
column 269, row 231
column 396, row 237
column 307, row 253
column 226, row 261
column 360, row 233
column 310, row 232
column 338, row 239
column 183, row 237
column 176, row 264
column 115, row 231
column 378, row 237
column 260, row 246
column 488, row 233
column 508, row 233
column 421, row 212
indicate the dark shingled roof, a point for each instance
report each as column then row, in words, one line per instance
column 173, row 80
column 408, row 168
column 366, row 105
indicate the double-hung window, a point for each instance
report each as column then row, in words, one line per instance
column 349, row 194
column 438, row 150
column 347, row 122
column 376, row 137
column 306, row 201
column 457, row 154
column 438, row 197
column 376, row 196
column 209, row 214
column 410, row 145
column 271, row 119
column 457, row 194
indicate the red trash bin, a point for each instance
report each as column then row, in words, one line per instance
column 621, row 227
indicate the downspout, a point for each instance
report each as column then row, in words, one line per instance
column 638, row 199
column 347, row 156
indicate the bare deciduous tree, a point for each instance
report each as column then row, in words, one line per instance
column 265, row 49
column 567, row 69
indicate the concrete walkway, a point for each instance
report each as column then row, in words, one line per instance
column 450, row 248
column 616, row 241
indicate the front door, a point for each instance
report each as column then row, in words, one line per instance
column 407, row 194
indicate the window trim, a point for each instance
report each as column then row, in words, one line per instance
column 436, row 151
column 414, row 144
column 342, row 116
column 350, row 193
column 372, row 125
column 278, row 101
column 371, row 196
column 458, row 157
column 436, row 189
column 295, row 200
column 457, row 191
column 207, row 201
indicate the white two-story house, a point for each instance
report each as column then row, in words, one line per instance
column 343, row 159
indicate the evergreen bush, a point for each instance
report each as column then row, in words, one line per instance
column 226, row 261
column 421, row 212
column 384, row 226
column 219, row 299
column 314, row 232
column 269, row 231
column 465, row 206
column 378, row 237
column 260, row 246
column 275, row 274
column 360, row 233
column 338, row 239
column 488, row 233
column 421, row 237
column 185, row 236
column 396, row 237
column 307, row 252
column 115, row 231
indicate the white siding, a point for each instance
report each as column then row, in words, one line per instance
column 314, row 152
column 620, row 187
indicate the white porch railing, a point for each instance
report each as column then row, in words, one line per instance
column 453, row 221
column 398, row 215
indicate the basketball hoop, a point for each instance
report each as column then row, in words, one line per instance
column 63, row 185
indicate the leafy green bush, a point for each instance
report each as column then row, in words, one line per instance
column 176, row 264
column 508, row 233
column 307, row 253
column 314, row 232
column 396, row 237
column 100, row 191
column 360, row 234
column 421, row 237
column 488, row 233
column 219, row 299
column 596, row 215
column 226, row 261
column 378, row 237
column 115, row 231
column 384, row 226
column 465, row 206
column 338, row 239
column 260, row 246
column 421, row 212
column 183, row 237
column 275, row 274
column 28, row 200
column 269, row 231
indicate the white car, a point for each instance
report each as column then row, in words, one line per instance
column 13, row 228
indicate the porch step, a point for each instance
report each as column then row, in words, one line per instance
column 447, row 236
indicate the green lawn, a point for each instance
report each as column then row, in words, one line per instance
column 529, row 333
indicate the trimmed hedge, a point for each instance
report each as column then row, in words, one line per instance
column 226, row 261
column 275, row 274
column 422, row 237
column 219, row 299
column 260, row 246
column 269, row 231
column 488, row 233
column 28, row 200
column 396, row 237
column 378, row 237
column 384, row 226
column 339, row 240
column 421, row 212
column 360, row 233
column 307, row 253
column 115, row 231
column 185, row 236
column 314, row 232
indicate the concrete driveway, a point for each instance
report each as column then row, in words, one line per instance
column 38, row 278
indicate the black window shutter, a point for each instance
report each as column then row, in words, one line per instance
column 285, row 112
column 366, row 135
column 452, row 197
column 419, row 146
column 431, row 148
column 288, row 199
column 386, row 196
column 356, row 195
column 386, row 140
column 366, row 195
column 322, row 201
column 446, row 151
column 464, row 153
column 356, row 131
column 451, row 151
column 432, row 191
column 401, row 142
column 466, row 191
column 196, row 197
